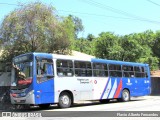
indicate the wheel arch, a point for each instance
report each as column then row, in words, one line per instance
column 126, row 89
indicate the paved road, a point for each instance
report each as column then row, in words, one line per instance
column 146, row 103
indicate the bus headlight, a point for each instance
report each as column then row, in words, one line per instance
column 23, row 94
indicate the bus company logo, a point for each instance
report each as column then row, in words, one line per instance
column 83, row 81
column 129, row 82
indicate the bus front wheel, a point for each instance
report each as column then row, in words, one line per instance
column 64, row 100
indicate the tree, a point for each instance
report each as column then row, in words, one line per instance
column 156, row 45
column 78, row 26
column 138, row 48
column 90, row 37
column 83, row 45
column 107, row 46
column 132, row 48
column 36, row 27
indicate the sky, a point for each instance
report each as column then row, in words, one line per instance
column 121, row 17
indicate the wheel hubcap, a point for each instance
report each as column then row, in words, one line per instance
column 65, row 100
column 125, row 96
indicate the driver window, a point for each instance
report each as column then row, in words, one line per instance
column 44, row 70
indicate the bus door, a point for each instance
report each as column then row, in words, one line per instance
column 45, row 81
column 142, row 81
column 129, row 80
column 138, row 81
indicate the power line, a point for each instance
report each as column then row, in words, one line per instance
column 78, row 12
column 100, row 15
column 92, row 14
column 153, row 3
column 10, row 4
column 91, row 2
column 106, row 7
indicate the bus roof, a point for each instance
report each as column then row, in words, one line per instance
column 68, row 57
column 118, row 62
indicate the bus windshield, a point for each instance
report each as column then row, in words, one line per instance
column 21, row 73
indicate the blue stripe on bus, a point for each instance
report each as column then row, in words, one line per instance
column 112, row 84
column 105, row 88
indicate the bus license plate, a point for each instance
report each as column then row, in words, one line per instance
column 18, row 101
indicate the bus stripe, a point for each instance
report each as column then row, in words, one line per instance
column 113, row 89
column 109, row 86
column 118, row 89
column 105, row 88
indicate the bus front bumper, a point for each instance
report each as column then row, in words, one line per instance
column 28, row 99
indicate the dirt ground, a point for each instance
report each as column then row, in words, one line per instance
column 155, row 73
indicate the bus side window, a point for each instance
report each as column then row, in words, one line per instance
column 115, row 70
column 64, row 68
column 127, row 71
column 146, row 72
column 83, row 68
column 140, row 72
column 100, row 70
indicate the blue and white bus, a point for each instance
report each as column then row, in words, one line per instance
column 44, row 79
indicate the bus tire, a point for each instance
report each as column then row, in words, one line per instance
column 125, row 95
column 44, row 106
column 64, row 100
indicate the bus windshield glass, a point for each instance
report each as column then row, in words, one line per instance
column 22, row 71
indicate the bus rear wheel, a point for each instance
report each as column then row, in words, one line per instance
column 125, row 95
column 64, row 100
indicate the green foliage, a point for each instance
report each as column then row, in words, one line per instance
column 131, row 49
column 134, row 47
column 106, row 46
column 156, row 44
column 90, row 37
column 78, row 27
column 36, row 27
column 83, row 45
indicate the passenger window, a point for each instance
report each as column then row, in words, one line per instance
column 146, row 72
column 83, row 68
column 100, row 70
column 128, row 71
column 115, row 70
column 65, row 68
column 139, row 72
